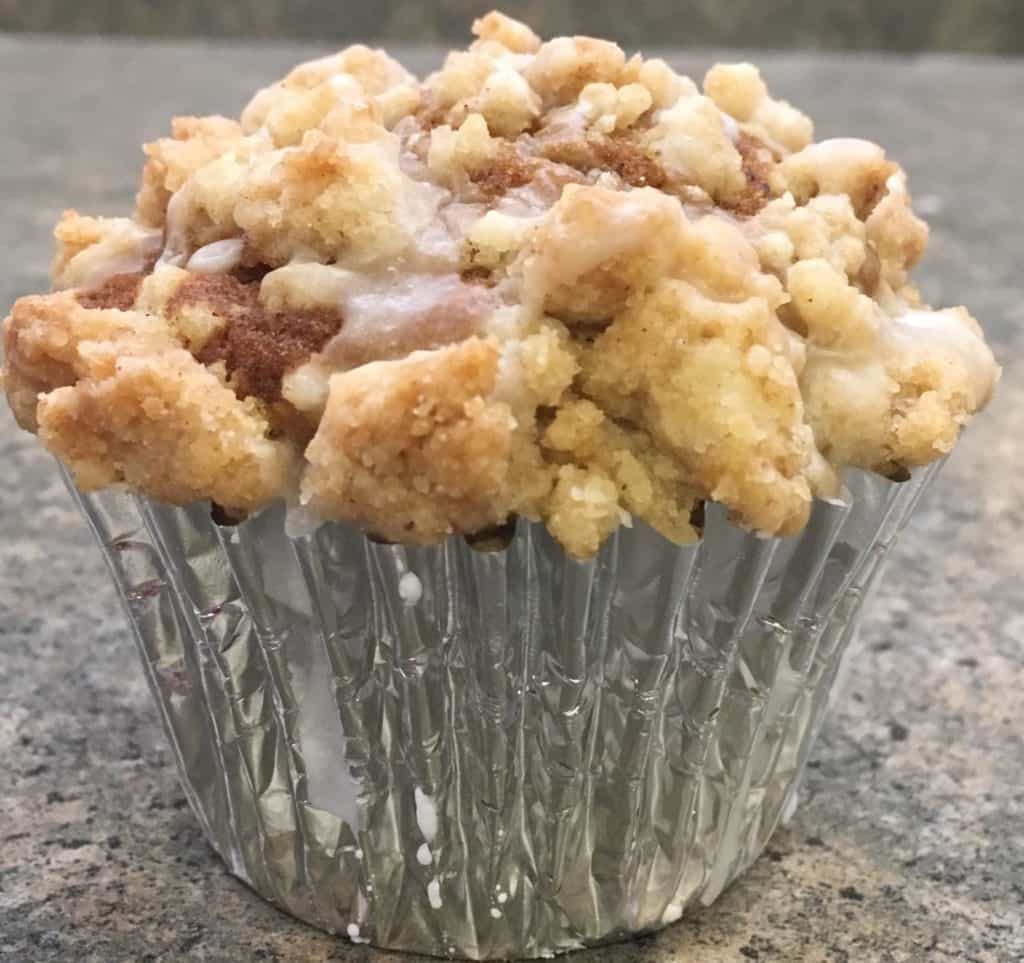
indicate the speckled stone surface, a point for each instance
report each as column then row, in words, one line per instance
column 908, row 845
column 975, row 25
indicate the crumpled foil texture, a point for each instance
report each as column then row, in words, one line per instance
column 491, row 754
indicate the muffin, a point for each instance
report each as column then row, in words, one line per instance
column 494, row 467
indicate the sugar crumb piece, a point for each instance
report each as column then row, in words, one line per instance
column 389, row 423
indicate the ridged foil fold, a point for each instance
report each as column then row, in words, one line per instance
column 491, row 755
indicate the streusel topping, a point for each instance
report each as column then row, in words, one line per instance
column 548, row 280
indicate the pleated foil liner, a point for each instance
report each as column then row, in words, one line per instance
column 492, row 755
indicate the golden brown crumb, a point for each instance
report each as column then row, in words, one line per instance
column 91, row 251
column 75, row 234
column 595, row 248
column 711, row 384
column 847, row 166
column 413, row 449
column 123, row 403
column 194, row 142
column 510, row 34
column 561, row 68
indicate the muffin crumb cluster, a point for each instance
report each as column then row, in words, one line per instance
column 548, row 280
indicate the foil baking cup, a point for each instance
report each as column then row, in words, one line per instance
column 502, row 754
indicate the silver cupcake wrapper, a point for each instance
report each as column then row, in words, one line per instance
column 491, row 754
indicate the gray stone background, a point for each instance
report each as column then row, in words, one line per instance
column 991, row 26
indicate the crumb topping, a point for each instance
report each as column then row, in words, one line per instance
column 256, row 346
column 119, row 291
column 757, row 164
column 546, row 280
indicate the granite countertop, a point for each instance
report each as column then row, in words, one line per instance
column 908, row 842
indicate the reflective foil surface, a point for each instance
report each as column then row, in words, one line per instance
column 491, row 754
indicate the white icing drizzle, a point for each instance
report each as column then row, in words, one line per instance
column 393, row 314
column 673, row 912
column 731, row 128
column 426, row 815
column 588, row 252
column 353, row 933
column 175, row 252
column 410, row 588
column 220, row 257
column 127, row 249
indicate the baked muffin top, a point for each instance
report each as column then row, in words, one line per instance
column 548, row 280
